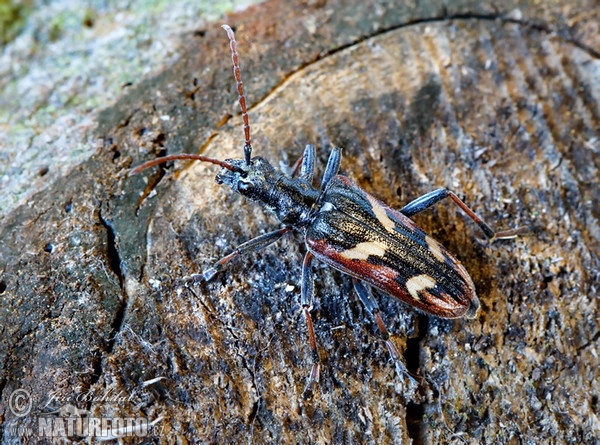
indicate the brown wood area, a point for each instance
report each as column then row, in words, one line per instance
column 500, row 104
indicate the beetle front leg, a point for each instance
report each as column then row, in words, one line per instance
column 253, row 245
column 332, row 167
column 431, row 198
column 307, row 170
column 366, row 296
column 306, row 301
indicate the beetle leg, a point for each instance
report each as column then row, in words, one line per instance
column 295, row 169
column 305, row 166
column 366, row 296
column 253, row 245
column 306, row 301
column 333, row 165
column 431, row 198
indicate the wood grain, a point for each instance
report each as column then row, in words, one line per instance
column 485, row 102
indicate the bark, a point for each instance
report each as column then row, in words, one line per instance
column 499, row 105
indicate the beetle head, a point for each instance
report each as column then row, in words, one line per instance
column 253, row 181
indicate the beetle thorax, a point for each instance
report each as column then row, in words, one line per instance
column 291, row 199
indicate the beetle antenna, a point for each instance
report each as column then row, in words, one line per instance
column 163, row 159
column 240, row 88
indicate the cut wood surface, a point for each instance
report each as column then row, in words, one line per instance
column 501, row 106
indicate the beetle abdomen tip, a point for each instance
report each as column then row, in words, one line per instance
column 473, row 308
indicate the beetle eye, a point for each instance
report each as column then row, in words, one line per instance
column 244, row 187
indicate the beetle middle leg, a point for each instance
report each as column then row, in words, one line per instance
column 306, row 302
column 431, row 198
column 366, row 296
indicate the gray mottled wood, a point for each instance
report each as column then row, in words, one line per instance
column 500, row 106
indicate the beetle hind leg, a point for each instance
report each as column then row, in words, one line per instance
column 306, row 301
column 366, row 296
column 431, row 198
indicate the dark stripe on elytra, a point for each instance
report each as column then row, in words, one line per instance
column 445, row 275
column 344, row 234
column 409, row 245
column 416, row 242
column 444, row 283
column 354, row 202
column 364, row 269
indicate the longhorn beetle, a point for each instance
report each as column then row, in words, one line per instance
column 350, row 230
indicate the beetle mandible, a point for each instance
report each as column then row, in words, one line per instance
column 350, row 230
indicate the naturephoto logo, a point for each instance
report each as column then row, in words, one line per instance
column 59, row 417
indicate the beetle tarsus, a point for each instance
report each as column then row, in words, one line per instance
column 189, row 280
column 313, row 380
column 398, row 363
column 209, row 273
column 428, row 200
column 510, row 234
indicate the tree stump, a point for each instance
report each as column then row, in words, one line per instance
column 499, row 106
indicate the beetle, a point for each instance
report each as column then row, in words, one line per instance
column 350, row 230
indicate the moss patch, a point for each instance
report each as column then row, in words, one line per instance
column 12, row 18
